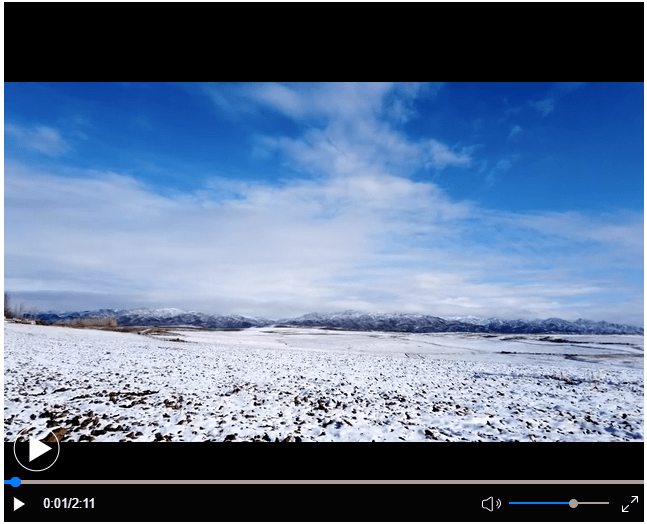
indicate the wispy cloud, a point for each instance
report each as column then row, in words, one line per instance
column 618, row 231
column 43, row 139
column 501, row 166
column 556, row 92
column 567, row 87
column 510, row 109
column 545, row 107
column 357, row 134
column 515, row 131
column 440, row 156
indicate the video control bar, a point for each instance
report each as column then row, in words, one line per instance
column 327, row 502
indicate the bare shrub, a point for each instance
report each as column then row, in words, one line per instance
column 19, row 313
column 7, row 306
column 12, row 312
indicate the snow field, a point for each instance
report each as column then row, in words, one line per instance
column 309, row 385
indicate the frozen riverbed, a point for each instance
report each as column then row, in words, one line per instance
column 321, row 385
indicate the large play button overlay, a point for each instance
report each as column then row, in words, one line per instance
column 32, row 453
column 37, row 448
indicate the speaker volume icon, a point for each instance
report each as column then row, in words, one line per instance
column 489, row 504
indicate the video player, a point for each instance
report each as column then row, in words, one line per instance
column 428, row 267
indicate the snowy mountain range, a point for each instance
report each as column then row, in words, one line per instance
column 156, row 317
column 347, row 320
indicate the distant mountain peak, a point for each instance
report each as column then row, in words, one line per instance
column 421, row 323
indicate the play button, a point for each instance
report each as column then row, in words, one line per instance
column 31, row 451
column 17, row 504
column 37, row 448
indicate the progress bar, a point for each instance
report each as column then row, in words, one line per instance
column 372, row 481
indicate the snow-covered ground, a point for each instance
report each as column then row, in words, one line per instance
column 321, row 385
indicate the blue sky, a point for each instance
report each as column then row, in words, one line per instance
column 520, row 200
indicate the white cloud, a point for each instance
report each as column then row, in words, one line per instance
column 349, row 149
column 399, row 105
column 280, row 98
column 440, row 156
column 275, row 244
column 44, row 139
column 335, row 101
column 330, row 100
column 374, row 241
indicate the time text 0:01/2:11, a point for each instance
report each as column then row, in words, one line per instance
column 68, row 503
